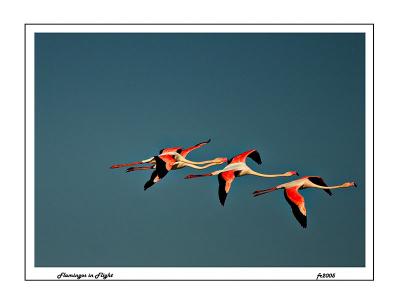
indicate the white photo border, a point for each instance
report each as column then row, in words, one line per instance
column 198, row 273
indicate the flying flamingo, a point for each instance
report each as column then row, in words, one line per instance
column 236, row 168
column 174, row 161
column 172, row 158
column 296, row 200
column 165, row 151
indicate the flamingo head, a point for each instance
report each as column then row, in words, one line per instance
column 350, row 184
column 292, row 173
column 220, row 160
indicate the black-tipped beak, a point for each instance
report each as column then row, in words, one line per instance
column 355, row 184
column 297, row 173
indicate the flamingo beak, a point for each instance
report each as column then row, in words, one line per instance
column 355, row 184
column 297, row 173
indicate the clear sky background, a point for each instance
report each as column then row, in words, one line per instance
column 102, row 99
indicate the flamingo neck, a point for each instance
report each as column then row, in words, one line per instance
column 182, row 158
column 331, row 187
column 251, row 172
column 209, row 162
column 212, row 163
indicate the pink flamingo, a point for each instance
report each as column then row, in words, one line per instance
column 172, row 158
column 165, row 151
column 236, row 168
column 296, row 200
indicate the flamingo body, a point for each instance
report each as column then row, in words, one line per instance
column 236, row 168
column 171, row 158
column 296, row 200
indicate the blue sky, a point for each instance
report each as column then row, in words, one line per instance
column 102, row 99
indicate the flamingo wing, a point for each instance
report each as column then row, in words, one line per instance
column 225, row 180
column 199, row 145
column 171, row 149
column 319, row 181
column 296, row 202
column 164, row 164
column 154, row 178
column 253, row 154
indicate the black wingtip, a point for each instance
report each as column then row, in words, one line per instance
column 204, row 142
column 302, row 220
column 147, row 185
column 255, row 155
column 222, row 198
column 221, row 191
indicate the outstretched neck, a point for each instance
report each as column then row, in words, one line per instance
column 209, row 162
column 179, row 157
column 251, row 172
column 202, row 167
column 344, row 185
